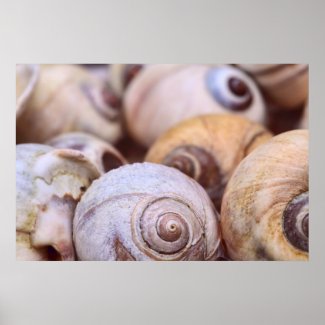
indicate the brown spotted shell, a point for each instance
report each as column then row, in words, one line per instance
column 49, row 183
column 264, row 213
column 102, row 154
column 146, row 211
column 208, row 148
column 285, row 85
column 162, row 96
column 69, row 98
column 26, row 79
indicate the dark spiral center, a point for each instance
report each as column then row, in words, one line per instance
column 184, row 164
column 201, row 165
column 229, row 88
column 170, row 227
column 238, row 87
column 296, row 222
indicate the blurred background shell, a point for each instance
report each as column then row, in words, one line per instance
column 69, row 98
column 163, row 95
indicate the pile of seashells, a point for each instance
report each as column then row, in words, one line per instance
column 162, row 162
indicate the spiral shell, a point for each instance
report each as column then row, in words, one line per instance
column 103, row 155
column 285, row 85
column 146, row 212
column 49, row 183
column 208, row 148
column 264, row 213
column 68, row 98
column 156, row 101
column 26, row 79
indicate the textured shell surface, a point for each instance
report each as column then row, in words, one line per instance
column 259, row 192
column 145, row 211
column 49, row 182
column 208, row 148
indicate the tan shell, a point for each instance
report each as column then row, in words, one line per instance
column 208, row 148
column 68, row 98
column 258, row 194
column 286, row 85
column 26, row 79
column 49, row 183
column 144, row 212
column 102, row 154
column 162, row 96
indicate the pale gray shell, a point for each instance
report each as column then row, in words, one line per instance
column 118, row 216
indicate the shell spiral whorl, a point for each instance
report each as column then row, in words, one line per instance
column 228, row 88
column 162, row 216
column 296, row 221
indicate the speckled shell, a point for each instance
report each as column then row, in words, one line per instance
column 208, row 148
column 286, row 85
column 26, row 79
column 258, row 193
column 68, row 98
column 49, row 183
column 146, row 211
column 156, row 101
column 102, row 154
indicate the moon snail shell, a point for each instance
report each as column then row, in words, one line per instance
column 68, row 98
column 265, row 208
column 162, row 96
column 146, row 211
column 208, row 148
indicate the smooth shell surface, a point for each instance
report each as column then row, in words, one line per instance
column 102, row 154
column 208, row 148
column 162, row 96
column 263, row 187
column 286, row 85
column 69, row 98
column 49, row 182
column 146, row 212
